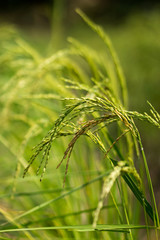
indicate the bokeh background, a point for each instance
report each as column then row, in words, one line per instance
column 134, row 28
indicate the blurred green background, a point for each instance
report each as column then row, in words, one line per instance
column 133, row 27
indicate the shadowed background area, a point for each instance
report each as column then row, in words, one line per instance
column 133, row 27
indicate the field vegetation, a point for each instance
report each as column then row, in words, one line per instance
column 73, row 157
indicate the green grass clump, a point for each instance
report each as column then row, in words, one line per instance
column 95, row 134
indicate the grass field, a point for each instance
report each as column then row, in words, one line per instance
column 89, row 120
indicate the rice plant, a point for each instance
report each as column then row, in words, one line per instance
column 76, row 102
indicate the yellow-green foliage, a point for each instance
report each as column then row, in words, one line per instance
column 74, row 94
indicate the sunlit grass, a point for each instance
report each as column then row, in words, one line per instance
column 74, row 106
